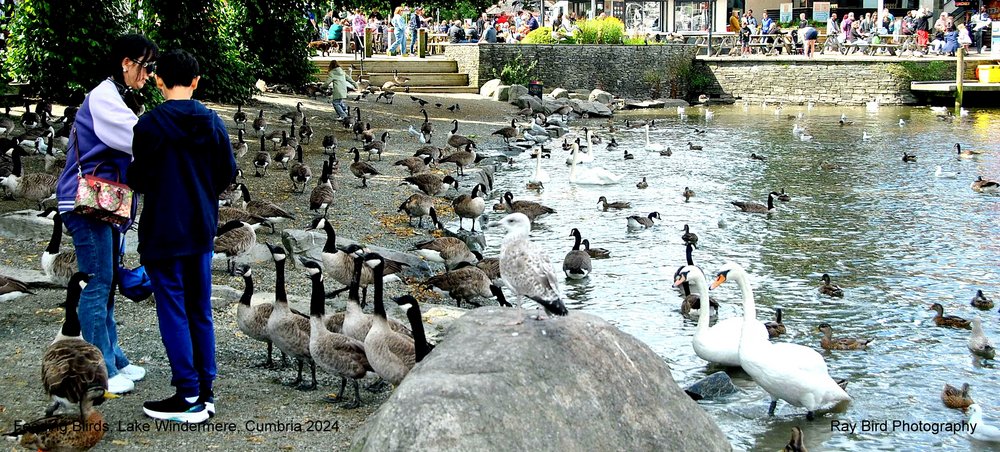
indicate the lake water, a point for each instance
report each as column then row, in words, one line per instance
column 892, row 235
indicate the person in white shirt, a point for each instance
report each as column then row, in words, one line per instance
column 982, row 22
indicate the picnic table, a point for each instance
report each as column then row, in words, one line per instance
column 766, row 44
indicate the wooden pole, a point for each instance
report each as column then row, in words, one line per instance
column 959, row 77
column 422, row 43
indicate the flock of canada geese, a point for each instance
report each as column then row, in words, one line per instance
column 353, row 343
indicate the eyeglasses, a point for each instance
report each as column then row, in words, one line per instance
column 149, row 66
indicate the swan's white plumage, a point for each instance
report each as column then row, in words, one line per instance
column 719, row 343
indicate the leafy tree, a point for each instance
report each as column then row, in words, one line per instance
column 277, row 33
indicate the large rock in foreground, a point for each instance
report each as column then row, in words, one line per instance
column 503, row 381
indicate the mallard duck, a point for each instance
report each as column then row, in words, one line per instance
column 907, row 157
column 775, row 328
column 979, row 344
column 613, row 205
column 688, row 193
column 965, row 154
column 754, row 156
column 63, row 432
column 958, row 399
column 840, row 343
column 948, row 320
column 595, row 253
column 796, row 443
column 695, row 147
column 981, row 302
column 829, row 288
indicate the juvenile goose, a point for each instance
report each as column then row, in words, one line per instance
column 753, row 207
column 688, row 194
column 576, row 264
column 530, row 209
column 979, row 344
column 356, row 322
column 286, row 329
column 62, row 432
column 840, row 343
column 458, row 141
column 461, row 159
column 784, row 196
column 613, row 205
column 240, row 147
column 775, row 328
column 234, row 239
column 508, row 132
column 334, row 352
column 305, row 132
column 449, row 251
column 415, row 165
column 261, row 161
column 240, row 118
column 984, row 432
column 391, row 354
column 260, row 124
column 642, row 184
column 409, row 304
column 470, row 206
column 375, row 148
column 418, row 205
column 58, row 266
column 37, row 187
column 361, row 169
column 830, row 289
column 73, row 370
column 465, row 282
column 300, row 173
column 11, row 288
column 525, row 268
column 955, row 398
column 985, row 185
column 796, row 443
column 640, row 222
column 965, row 154
column 948, row 320
column 431, row 184
column 252, row 320
column 427, row 128
column 321, row 196
column 689, row 237
column 264, row 209
column 981, row 302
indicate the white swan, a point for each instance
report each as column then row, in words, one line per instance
column 590, row 175
column 804, row 136
column 944, row 174
column 984, row 432
column 579, row 155
column 540, row 175
column 865, row 136
column 652, row 147
column 790, row 372
column 721, row 342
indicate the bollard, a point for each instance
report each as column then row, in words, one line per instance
column 422, row 43
column 959, row 78
column 369, row 36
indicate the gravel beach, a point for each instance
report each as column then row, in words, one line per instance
column 254, row 410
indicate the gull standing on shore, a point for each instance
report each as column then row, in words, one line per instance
column 525, row 268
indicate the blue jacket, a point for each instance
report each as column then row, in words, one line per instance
column 183, row 161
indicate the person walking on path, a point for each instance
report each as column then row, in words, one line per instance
column 358, row 24
column 339, row 82
column 183, row 161
column 398, row 24
column 101, row 144
column 414, row 25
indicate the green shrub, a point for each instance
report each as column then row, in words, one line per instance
column 515, row 72
column 277, row 34
column 540, row 35
column 600, row 31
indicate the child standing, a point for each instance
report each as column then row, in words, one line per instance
column 182, row 162
column 339, row 82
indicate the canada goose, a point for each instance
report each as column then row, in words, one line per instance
column 287, row 330
column 689, row 237
column 61, row 432
column 470, row 206
column 37, row 187
column 339, row 264
column 491, row 266
column 595, row 253
column 285, row 153
column 358, row 128
column 840, row 343
column 628, row 156
column 694, row 147
column 29, row 119
column 640, row 222
column 356, row 323
column 260, row 124
column 229, row 213
column 58, row 266
column 417, row 205
column 613, row 205
column 252, row 320
column 264, row 209
column 948, row 320
column 240, row 147
column 458, row 141
column 409, row 304
column 321, row 196
column 414, row 165
column 983, row 432
column 576, row 264
column 688, row 194
column 461, row 159
column 980, row 301
column 368, row 135
column 232, row 240
column 306, row 131
column 775, row 328
column 330, row 145
column 261, row 161
column 294, row 116
column 985, row 186
column 426, row 129
column 830, row 289
column 613, row 144
column 978, row 343
column 530, row 209
column 11, row 288
column 796, row 443
column 430, row 184
column 754, row 156
column 336, row 353
column 958, row 399
column 361, row 169
column 449, row 251
column 525, row 268
column 753, row 207
column 73, row 370
column 391, row 354
column 433, row 152
column 465, row 282
column 240, row 118
column 966, row 153
column 377, row 147
column 300, row 173
column 642, row 184
column 508, row 132
column 907, row 157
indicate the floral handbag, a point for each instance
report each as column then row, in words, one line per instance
column 101, row 199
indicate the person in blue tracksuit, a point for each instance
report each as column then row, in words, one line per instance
column 182, row 162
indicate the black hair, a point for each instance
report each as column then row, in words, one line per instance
column 135, row 47
column 177, row 67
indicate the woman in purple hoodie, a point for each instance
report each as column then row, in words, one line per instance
column 101, row 144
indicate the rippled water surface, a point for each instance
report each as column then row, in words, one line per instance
column 891, row 234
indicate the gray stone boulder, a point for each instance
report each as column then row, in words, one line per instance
column 516, row 91
column 502, row 380
column 560, row 93
column 310, row 244
column 714, row 386
column 528, row 101
column 601, row 96
column 578, row 96
column 502, row 93
column 592, row 108
column 26, row 225
column 489, row 87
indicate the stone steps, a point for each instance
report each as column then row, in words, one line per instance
column 425, row 75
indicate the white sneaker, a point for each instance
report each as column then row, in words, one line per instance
column 133, row 372
column 120, row 384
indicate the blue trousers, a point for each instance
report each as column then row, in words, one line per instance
column 400, row 41
column 96, row 245
column 183, row 288
column 413, row 40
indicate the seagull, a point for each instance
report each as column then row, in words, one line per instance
column 420, row 135
column 944, row 174
column 525, row 268
column 963, row 112
column 983, row 432
column 805, row 137
column 865, row 136
column 940, row 110
column 902, row 122
column 797, row 129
